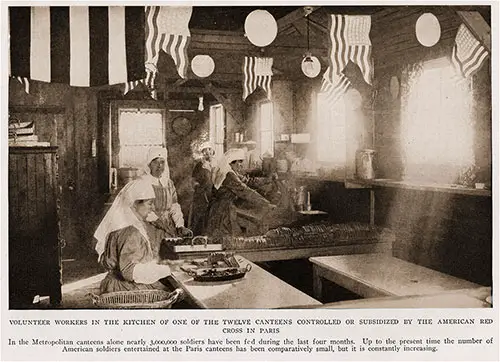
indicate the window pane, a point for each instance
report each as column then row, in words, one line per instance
column 436, row 124
column 217, row 128
column 330, row 132
column 138, row 131
column 266, row 129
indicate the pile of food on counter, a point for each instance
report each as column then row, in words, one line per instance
column 216, row 267
column 317, row 234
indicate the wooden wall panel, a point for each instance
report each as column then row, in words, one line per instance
column 446, row 232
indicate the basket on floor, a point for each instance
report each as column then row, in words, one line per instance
column 137, row 299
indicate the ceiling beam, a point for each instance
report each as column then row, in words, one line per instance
column 292, row 17
column 318, row 26
column 209, row 43
column 248, row 50
column 201, row 90
column 474, row 21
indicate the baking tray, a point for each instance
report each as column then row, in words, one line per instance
column 217, row 267
column 217, row 274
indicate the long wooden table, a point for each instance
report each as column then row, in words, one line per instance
column 380, row 275
column 258, row 289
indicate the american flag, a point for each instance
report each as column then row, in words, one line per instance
column 77, row 45
column 257, row 72
column 468, row 54
column 167, row 29
column 349, row 41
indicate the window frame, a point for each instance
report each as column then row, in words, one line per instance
column 212, row 129
column 114, row 135
column 432, row 172
column 260, row 104
column 329, row 164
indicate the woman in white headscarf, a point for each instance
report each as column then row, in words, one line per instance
column 168, row 217
column 130, row 250
column 202, row 184
column 229, row 188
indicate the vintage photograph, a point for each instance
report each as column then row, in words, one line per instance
column 250, row 157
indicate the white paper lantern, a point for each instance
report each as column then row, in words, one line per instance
column 428, row 30
column 310, row 66
column 261, row 28
column 202, row 65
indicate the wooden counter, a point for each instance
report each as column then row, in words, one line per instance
column 274, row 254
column 257, row 290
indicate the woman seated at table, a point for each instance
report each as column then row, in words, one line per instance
column 229, row 189
column 130, row 250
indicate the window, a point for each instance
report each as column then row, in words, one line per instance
column 138, row 130
column 330, row 132
column 266, row 129
column 217, row 128
column 436, row 129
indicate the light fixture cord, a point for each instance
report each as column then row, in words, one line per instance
column 307, row 17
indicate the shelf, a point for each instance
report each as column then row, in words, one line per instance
column 37, row 109
column 422, row 186
column 312, row 212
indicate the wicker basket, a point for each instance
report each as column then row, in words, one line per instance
column 137, row 299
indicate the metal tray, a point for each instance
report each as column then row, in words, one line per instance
column 216, row 274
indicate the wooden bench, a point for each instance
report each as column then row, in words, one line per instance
column 381, row 275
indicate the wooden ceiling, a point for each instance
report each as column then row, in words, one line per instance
column 219, row 32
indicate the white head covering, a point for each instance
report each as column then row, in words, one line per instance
column 206, row 144
column 155, row 152
column 120, row 213
column 223, row 165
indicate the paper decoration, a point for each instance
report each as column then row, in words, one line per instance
column 350, row 41
column 202, row 65
column 260, row 28
column 201, row 107
column 310, row 66
column 77, row 45
column 257, row 72
column 167, row 29
column 468, row 54
column 428, row 30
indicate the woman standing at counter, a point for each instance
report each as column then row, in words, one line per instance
column 202, row 179
column 228, row 188
column 167, row 216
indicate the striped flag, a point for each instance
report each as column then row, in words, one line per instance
column 77, row 45
column 335, row 89
column 257, row 72
column 468, row 54
column 167, row 29
column 349, row 41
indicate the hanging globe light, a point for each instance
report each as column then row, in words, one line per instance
column 310, row 66
column 427, row 29
column 261, row 28
column 202, row 65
